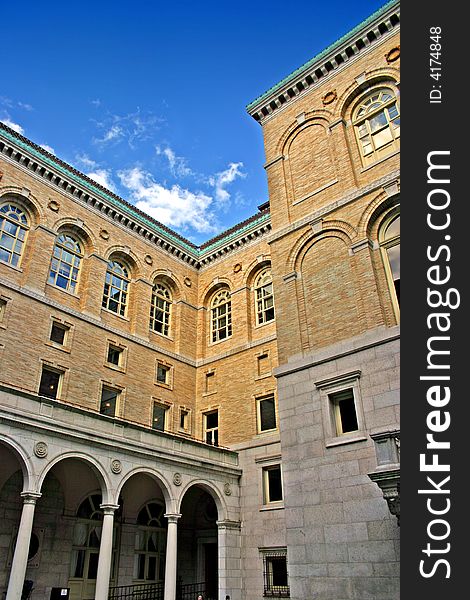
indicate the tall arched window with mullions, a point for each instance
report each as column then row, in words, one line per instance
column 264, row 297
column 389, row 238
column 150, row 544
column 65, row 264
column 221, row 316
column 13, row 229
column 116, row 288
column 377, row 124
column 160, row 309
column 86, row 541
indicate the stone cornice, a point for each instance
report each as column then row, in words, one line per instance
column 166, row 447
column 368, row 33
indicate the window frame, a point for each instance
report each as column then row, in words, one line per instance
column 118, row 399
column 184, row 413
column 213, row 431
column 24, row 226
column 217, row 316
column 77, row 254
column 386, row 244
column 328, row 388
column 168, row 369
column 165, row 407
column 380, row 152
column 60, row 383
column 259, row 400
column 269, row 589
column 166, row 309
column 267, row 501
column 124, row 289
column 261, row 298
column 158, row 554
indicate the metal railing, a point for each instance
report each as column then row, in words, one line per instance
column 142, row 591
column 190, row 591
column 155, row 591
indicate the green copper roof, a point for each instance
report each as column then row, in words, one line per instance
column 324, row 53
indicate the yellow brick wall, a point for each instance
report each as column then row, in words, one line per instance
column 330, row 278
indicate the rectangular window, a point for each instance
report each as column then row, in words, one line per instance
column 211, row 427
column 3, row 308
column 159, row 416
column 344, row 413
column 272, row 484
column 59, row 333
column 50, row 384
column 163, row 373
column 115, row 355
column 109, row 401
column 266, row 413
column 276, row 582
column 184, row 419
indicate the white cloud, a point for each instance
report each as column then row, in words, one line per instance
column 13, row 126
column 96, row 102
column 48, row 148
column 176, row 207
column 113, row 133
column 103, row 177
column 178, row 164
column 133, row 127
column 85, row 161
column 25, row 106
column 220, row 180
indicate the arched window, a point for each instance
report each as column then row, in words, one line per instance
column 86, row 545
column 377, row 125
column 13, row 228
column 160, row 309
column 264, row 298
column 150, row 543
column 116, row 288
column 390, row 243
column 65, row 263
column 221, row 316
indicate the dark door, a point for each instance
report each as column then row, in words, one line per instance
column 211, row 565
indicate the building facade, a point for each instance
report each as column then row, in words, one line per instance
column 221, row 418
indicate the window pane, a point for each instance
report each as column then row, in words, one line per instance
column 348, row 416
column 49, row 383
column 58, row 334
column 267, row 414
column 274, row 484
column 158, row 419
column 108, row 402
column 212, row 420
column 93, row 566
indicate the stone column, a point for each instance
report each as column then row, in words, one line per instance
column 106, row 552
column 20, row 557
column 229, row 549
column 171, row 553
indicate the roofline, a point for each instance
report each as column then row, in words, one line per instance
column 307, row 70
column 206, row 252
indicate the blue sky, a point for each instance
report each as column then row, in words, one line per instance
column 149, row 98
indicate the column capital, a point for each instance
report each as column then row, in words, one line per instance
column 109, row 509
column 228, row 524
column 172, row 517
column 30, row 497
